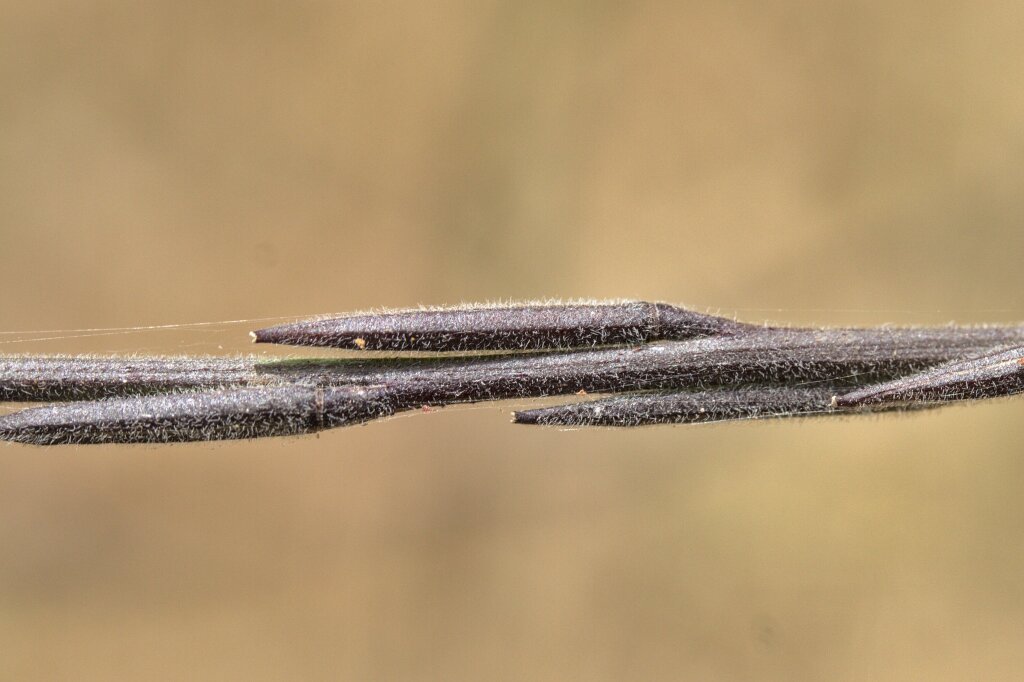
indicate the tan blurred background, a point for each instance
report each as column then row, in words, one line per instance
column 805, row 161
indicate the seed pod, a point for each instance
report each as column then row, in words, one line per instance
column 513, row 327
column 661, row 407
column 201, row 416
column 26, row 378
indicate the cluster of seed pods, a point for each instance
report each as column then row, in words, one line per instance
column 655, row 362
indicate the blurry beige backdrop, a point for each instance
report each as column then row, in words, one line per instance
column 805, row 161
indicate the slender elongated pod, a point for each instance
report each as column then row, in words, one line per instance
column 675, row 407
column 512, row 327
column 25, row 378
column 201, row 416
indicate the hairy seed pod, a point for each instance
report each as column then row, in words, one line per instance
column 62, row 377
column 642, row 409
column 664, row 407
column 516, row 327
column 201, row 416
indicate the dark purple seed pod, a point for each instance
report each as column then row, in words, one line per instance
column 25, row 378
column 662, row 407
column 201, row 416
column 512, row 327
column 986, row 376
column 644, row 409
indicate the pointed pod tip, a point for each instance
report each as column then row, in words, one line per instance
column 281, row 334
column 6, row 432
column 267, row 335
column 21, row 427
column 311, row 333
column 527, row 417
